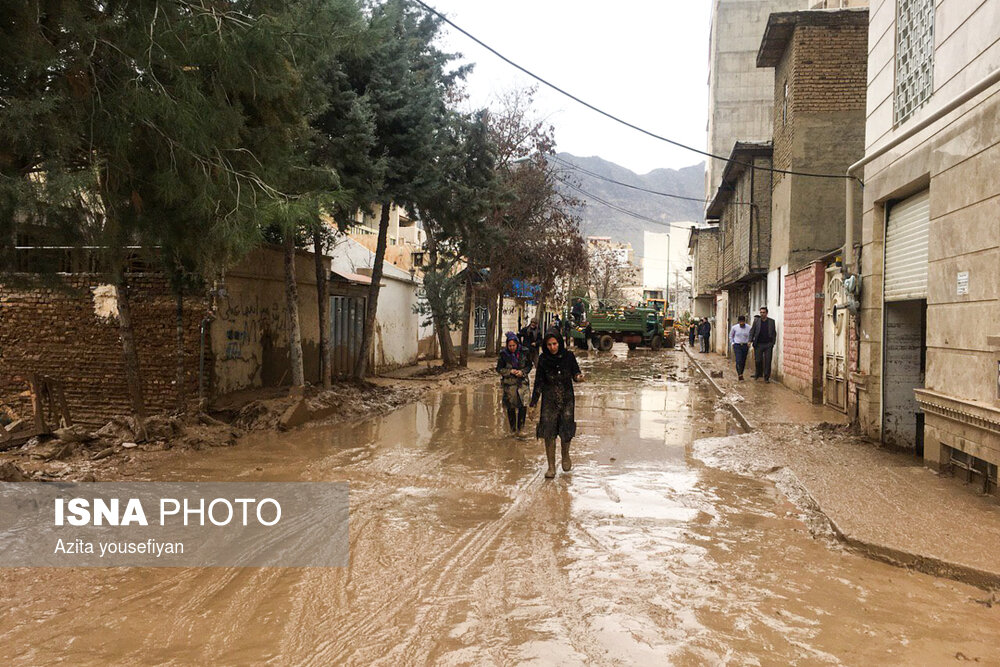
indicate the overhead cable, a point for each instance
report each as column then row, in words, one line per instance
column 617, row 119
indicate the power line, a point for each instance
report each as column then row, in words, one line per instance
column 616, row 207
column 611, row 116
column 566, row 163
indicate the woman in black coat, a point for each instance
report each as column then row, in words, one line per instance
column 554, row 377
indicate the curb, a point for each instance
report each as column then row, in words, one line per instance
column 740, row 417
column 936, row 567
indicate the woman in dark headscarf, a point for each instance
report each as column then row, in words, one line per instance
column 554, row 378
column 513, row 365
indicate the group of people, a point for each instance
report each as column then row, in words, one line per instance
column 762, row 335
column 556, row 369
column 702, row 330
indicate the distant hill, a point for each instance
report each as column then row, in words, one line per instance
column 600, row 220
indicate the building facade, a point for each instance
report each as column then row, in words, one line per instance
column 742, row 207
column 818, row 58
column 928, row 375
column 739, row 94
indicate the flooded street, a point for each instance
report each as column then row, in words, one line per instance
column 461, row 553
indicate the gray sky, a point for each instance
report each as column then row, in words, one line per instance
column 643, row 60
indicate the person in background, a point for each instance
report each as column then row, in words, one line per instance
column 763, row 336
column 531, row 339
column 692, row 332
column 739, row 338
column 579, row 311
column 514, row 365
column 557, row 371
column 705, row 332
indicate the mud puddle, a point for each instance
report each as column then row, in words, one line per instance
column 462, row 554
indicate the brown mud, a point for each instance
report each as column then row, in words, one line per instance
column 462, row 554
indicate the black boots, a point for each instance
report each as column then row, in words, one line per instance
column 512, row 419
column 566, row 463
column 550, row 456
column 522, row 415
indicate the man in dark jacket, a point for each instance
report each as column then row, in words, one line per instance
column 692, row 333
column 705, row 332
column 763, row 336
column 531, row 339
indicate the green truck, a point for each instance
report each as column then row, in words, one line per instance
column 636, row 327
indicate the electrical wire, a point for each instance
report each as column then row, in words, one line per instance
column 606, row 114
column 616, row 207
column 570, row 165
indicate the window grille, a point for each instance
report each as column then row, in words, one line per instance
column 914, row 56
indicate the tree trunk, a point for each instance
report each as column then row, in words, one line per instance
column 292, row 306
column 439, row 302
column 133, row 376
column 500, row 331
column 361, row 366
column 491, row 325
column 179, row 318
column 463, row 352
column 322, row 300
column 540, row 307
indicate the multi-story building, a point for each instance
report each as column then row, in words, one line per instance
column 703, row 246
column 818, row 62
column 739, row 94
column 742, row 208
column 928, row 374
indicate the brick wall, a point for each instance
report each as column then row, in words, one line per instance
column 56, row 330
column 825, row 69
column 802, row 361
column 706, row 261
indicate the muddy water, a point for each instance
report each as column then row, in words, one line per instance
column 462, row 554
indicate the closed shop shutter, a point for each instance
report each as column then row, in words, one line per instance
column 906, row 249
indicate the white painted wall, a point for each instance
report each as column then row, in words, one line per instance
column 397, row 326
column 776, row 310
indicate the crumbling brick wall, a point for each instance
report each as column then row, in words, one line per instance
column 802, row 361
column 67, row 328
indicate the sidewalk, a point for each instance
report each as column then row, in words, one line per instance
column 883, row 503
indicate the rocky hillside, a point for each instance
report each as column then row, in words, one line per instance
column 600, row 220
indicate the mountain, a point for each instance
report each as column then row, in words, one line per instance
column 597, row 219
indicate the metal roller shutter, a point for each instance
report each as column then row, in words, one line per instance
column 906, row 249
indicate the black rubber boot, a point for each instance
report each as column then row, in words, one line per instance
column 522, row 415
column 550, row 456
column 566, row 463
column 512, row 419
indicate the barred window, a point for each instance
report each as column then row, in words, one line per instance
column 914, row 56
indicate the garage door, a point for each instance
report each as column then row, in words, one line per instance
column 906, row 249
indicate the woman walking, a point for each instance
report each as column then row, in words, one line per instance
column 554, row 378
column 513, row 365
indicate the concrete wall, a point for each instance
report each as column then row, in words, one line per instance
column 802, row 362
column 739, row 94
column 957, row 159
column 706, row 262
column 776, row 311
column 249, row 337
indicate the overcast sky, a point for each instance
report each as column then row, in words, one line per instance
column 643, row 60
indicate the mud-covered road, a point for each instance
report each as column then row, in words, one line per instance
column 461, row 553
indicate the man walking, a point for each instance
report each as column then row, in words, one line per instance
column 739, row 338
column 531, row 339
column 692, row 333
column 763, row 336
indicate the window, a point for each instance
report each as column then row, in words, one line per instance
column 784, row 105
column 914, row 56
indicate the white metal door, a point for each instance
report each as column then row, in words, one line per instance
column 835, row 330
column 906, row 235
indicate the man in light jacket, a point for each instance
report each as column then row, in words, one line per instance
column 739, row 338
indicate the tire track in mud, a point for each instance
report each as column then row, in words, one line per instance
column 358, row 636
